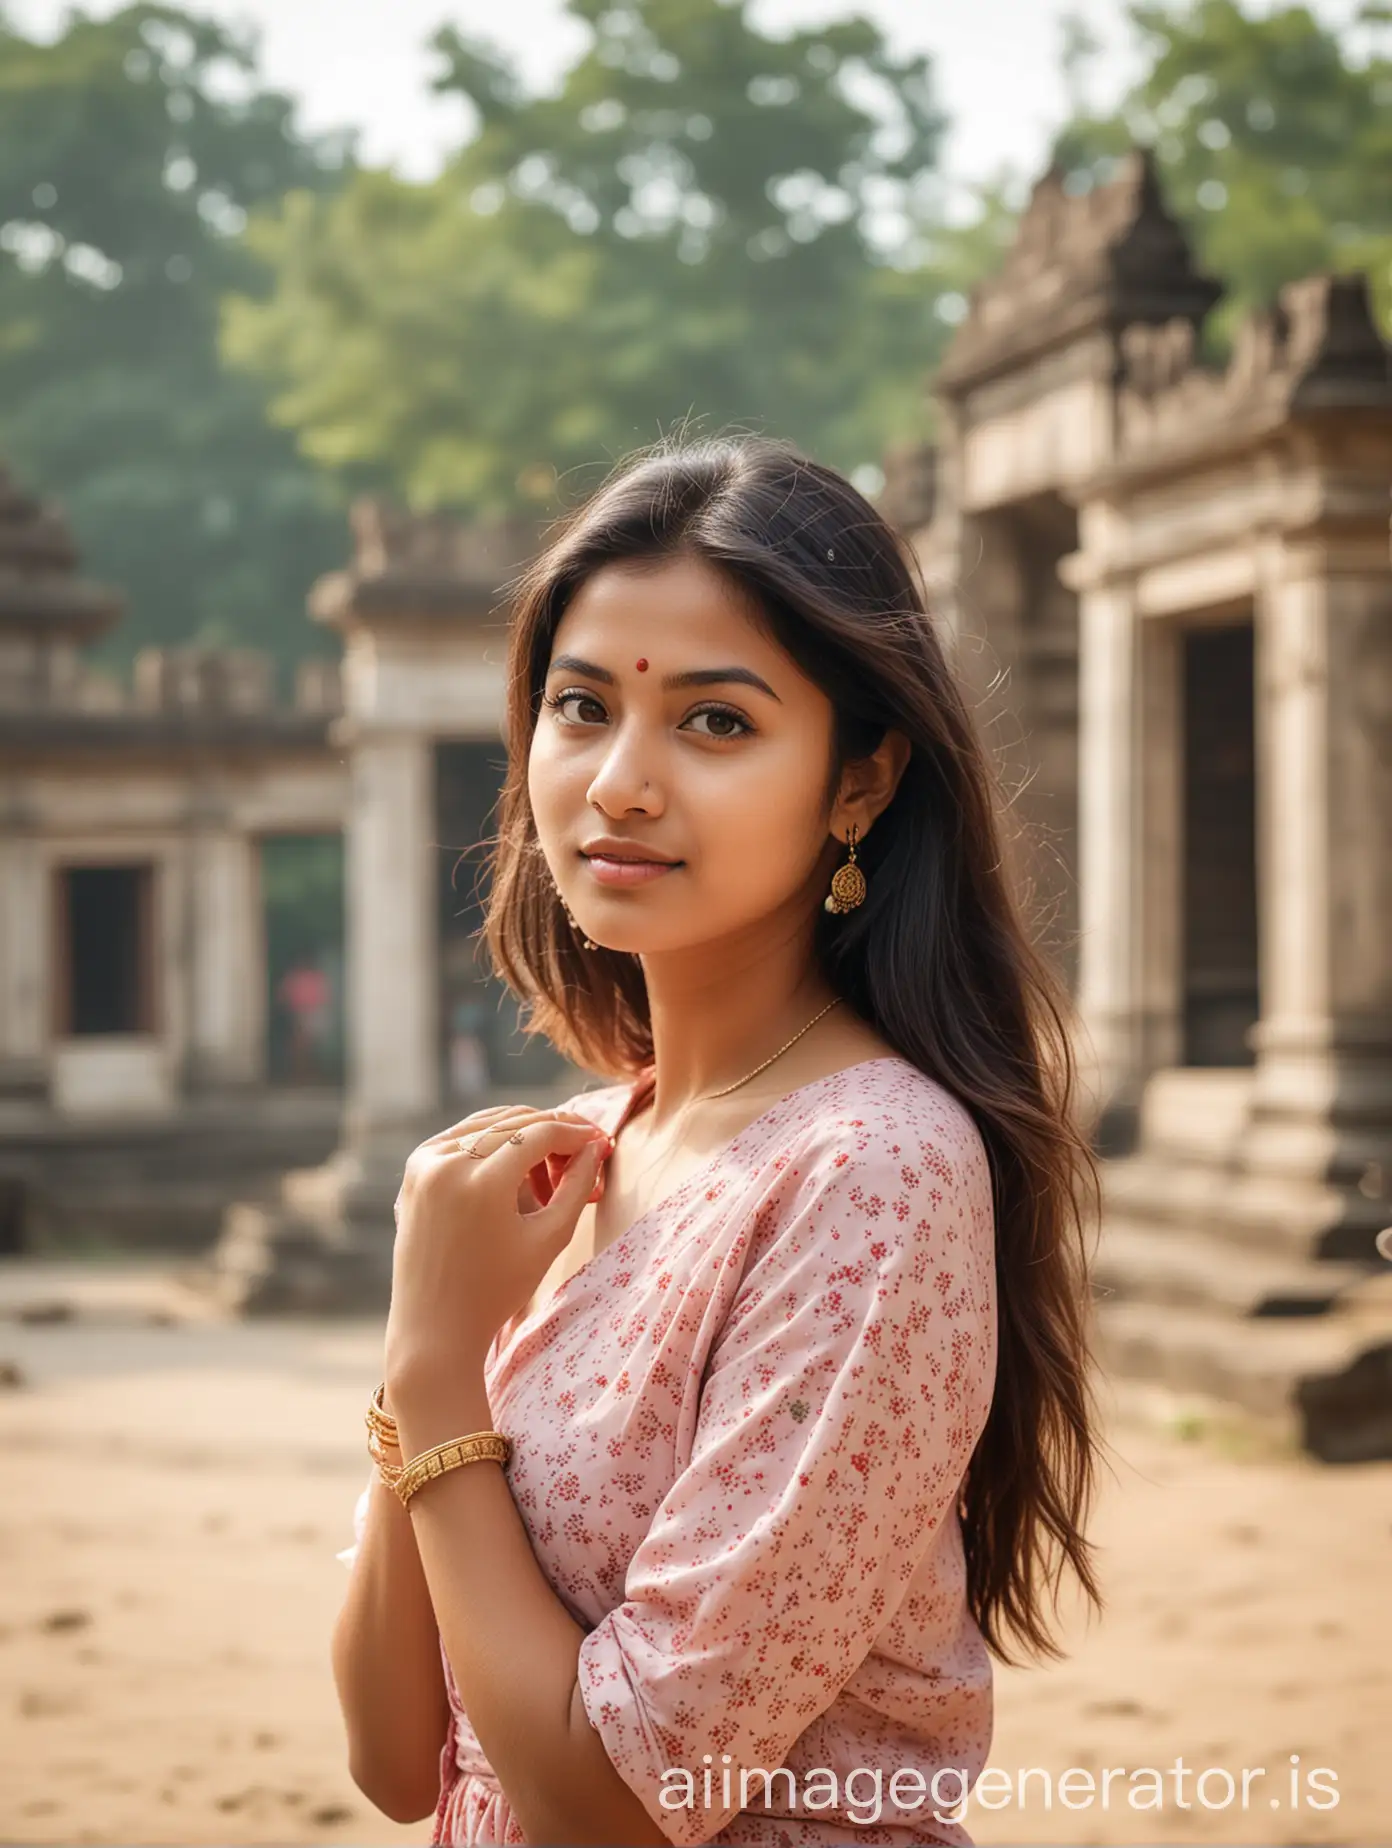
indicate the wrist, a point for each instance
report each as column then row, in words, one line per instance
column 434, row 1402
column 413, row 1368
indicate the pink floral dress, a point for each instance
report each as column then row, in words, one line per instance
column 740, row 1435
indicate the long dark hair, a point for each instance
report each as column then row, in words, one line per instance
column 939, row 956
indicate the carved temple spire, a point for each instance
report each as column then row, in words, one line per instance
column 1082, row 263
column 42, row 599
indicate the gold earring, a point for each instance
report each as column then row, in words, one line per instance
column 847, row 882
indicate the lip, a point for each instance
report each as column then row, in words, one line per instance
column 610, row 847
column 611, row 872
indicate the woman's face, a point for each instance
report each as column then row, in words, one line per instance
column 724, row 776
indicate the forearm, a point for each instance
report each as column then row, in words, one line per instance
column 512, row 1644
column 387, row 1667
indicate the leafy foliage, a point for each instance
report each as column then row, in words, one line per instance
column 703, row 223
column 1273, row 133
column 131, row 150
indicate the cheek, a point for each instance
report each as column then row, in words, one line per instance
column 547, row 781
column 764, row 831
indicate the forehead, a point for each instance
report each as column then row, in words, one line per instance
column 679, row 602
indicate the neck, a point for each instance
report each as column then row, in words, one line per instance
column 723, row 1008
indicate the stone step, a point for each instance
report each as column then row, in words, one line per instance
column 1168, row 1265
column 162, row 1217
column 269, row 1259
column 126, row 1290
column 1328, row 1379
column 1270, row 1213
column 156, row 1187
column 205, row 1157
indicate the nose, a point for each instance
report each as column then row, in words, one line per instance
column 622, row 781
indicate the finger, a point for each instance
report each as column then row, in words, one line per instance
column 479, row 1120
column 534, row 1139
column 483, row 1137
column 505, row 1111
column 485, row 1119
column 538, row 1152
column 570, row 1193
column 556, row 1157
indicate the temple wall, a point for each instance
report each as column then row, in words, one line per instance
column 426, row 681
column 199, row 835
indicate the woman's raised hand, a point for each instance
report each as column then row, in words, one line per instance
column 484, row 1209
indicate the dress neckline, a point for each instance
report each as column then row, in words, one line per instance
column 637, row 1093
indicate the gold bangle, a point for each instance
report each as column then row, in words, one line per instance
column 379, row 1420
column 478, row 1446
column 387, row 1469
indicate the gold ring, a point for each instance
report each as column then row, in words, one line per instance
column 469, row 1148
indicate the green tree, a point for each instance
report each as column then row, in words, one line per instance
column 131, row 150
column 705, row 222
column 1273, row 133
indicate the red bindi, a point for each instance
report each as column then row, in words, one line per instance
column 643, row 665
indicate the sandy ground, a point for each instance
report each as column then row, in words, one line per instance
column 175, row 1491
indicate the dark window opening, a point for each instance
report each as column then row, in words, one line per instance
column 108, row 914
column 302, row 891
column 1221, row 1001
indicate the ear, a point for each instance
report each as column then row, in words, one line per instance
column 868, row 784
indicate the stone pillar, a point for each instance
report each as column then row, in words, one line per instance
column 391, row 948
column 326, row 1244
column 1323, row 1099
column 417, row 610
column 227, row 978
column 26, row 964
column 46, row 612
column 1109, row 858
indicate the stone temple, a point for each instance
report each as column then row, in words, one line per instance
column 1168, row 584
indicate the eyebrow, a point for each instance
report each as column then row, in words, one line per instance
column 692, row 677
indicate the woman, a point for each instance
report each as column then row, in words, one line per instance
column 786, row 1325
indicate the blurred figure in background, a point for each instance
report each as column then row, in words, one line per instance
column 304, row 991
column 468, row 1052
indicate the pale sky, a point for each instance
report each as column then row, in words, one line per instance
column 363, row 62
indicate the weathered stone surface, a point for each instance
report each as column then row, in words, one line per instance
column 1106, row 260
column 138, row 1139
column 1099, row 503
column 1316, row 352
column 408, row 568
column 1087, row 449
column 421, row 609
column 40, row 594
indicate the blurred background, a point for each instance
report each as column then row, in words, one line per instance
column 311, row 318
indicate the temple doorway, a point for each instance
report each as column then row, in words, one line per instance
column 106, row 951
column 1220, row 989
column 302, row 900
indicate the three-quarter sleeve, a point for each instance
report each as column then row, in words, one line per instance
column 841, row 1404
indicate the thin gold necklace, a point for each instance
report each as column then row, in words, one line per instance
column 725, row 1090
column 769, row 1061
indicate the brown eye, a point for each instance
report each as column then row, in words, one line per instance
column 727, row 716
column 557, row 701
